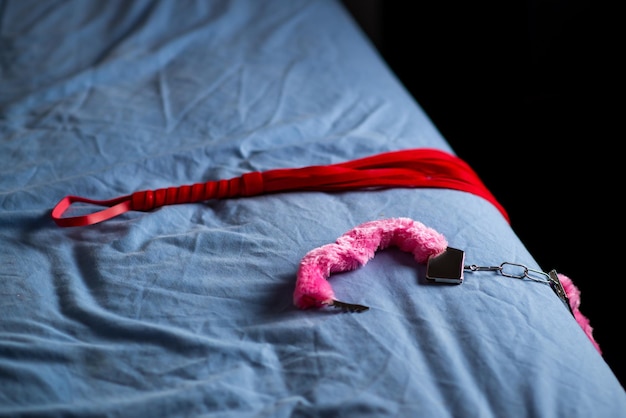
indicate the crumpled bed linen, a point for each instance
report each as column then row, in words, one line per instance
column 187, row 310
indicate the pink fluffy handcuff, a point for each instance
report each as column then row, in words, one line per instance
column 444, row 265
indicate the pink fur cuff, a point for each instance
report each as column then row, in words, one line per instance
column 355, row 248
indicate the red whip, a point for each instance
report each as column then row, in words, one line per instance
column 423, row 167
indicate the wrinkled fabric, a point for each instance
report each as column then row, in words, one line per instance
column 187, row 310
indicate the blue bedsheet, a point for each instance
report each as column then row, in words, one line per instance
column 187, row 310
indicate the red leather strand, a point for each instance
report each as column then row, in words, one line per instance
column 422, row 167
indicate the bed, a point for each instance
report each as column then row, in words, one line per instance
column 191, row 307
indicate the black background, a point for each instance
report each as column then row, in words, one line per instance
column 526, row 93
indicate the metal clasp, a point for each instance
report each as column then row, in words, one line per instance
column 520, row 271
column 513, row 270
